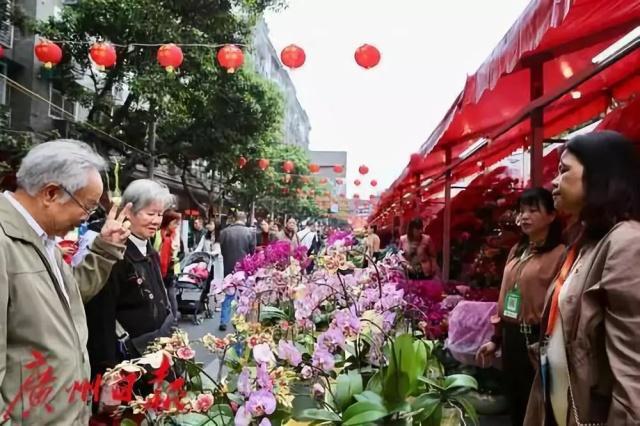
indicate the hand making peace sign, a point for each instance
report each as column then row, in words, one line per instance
column 116, row 229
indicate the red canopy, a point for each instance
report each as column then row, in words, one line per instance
column 565, row 35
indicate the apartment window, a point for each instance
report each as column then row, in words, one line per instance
column 6, row 29
column 3, row 84
column 58, row 100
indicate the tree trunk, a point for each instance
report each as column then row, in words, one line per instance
column 201, row 207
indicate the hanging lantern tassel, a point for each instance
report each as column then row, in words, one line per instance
column 48, row 53
column 170, row 57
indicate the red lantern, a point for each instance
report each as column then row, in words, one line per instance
column 374, row 183
column 338, row 168
column 242, row 162
column 367, row 56
column 356, row 182
column 48, row 52
column 363, row 170
column 1, row 52
column 314, row 168
column 170, row 57
column 339, row 181
column 293, row 56
column 288, row 166
column 103, row 54
column 263, row 163
column 230, row 57
column 372, row 197
column 356, row 196
column 323, row 181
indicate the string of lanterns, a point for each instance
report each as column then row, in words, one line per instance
column 171, row 57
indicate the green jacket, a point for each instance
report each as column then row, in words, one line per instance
column 35, row 316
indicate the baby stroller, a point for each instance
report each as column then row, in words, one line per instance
column 193, row 285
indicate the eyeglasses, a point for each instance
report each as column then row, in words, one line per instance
column 90, row 211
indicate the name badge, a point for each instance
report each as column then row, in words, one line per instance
column 512, row 303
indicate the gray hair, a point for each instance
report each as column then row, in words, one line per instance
column 143, row 192
column 65, row 162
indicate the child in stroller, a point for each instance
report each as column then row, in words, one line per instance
column 193, row 285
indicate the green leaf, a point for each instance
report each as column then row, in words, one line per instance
column 460, row 381
column 375, row 383
column 128, row 422
column 432, row 383
column 435, row 418
column 347, row 385
column 317, row 414
column 271, row 312
column 362, row 407
column 370, row 396
column 428, row 403
column 367, row 418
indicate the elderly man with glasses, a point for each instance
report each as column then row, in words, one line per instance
column 43, row 330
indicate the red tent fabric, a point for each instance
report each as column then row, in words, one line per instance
column 566, row 34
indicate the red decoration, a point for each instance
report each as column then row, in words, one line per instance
column 263, row 164
column 415, row 160
column 338, row 168
column 48, row 52
column 374, row 183
column 339, row 181
column 314, row 168
column 103, row 54
column 367, row 56
column 1, row 52
column 372, row 197
column 170, row 57
column 356, row 196
column 293, row 56
column 356, row 182
column 323, row 181
column 230, row 57
column 288, row 166
column 285, row 190
column 363, row 170
column 242, row 162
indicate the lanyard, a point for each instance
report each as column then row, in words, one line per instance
column 557, row 285
column 521, row 263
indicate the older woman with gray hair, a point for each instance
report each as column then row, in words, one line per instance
column 133, row 308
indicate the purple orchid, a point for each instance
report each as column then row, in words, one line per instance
column 261, row 403
column 264, row 378
column 323, row 360
column 288, row 352
column 244, row 384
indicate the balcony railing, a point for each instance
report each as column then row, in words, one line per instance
column 6, row 29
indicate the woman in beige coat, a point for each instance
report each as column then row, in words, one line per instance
column 589, row 370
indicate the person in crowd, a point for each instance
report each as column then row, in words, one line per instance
column 133, row 308
column 264, row 235
column 531, row 266
column 167, row 244
column 290, row 233
column 209, row 241
column 372, row 242
column 236, row 242
column 41, row 297
column 274, row 227
column 199, row 231
column 308, row 237
column 591, row 322
column 419, row 252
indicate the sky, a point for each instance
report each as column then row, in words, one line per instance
column 380, row 116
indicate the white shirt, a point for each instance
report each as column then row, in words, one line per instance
column 48, row 242
column 557, row 356
column 141, row 245
column 306, row 237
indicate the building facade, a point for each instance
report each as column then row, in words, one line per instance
column 267, row 63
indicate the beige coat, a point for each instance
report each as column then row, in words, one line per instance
column 601, row 334
column 34, row 315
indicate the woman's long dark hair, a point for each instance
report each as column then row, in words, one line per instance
column 540, row 198
column 611, row 180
